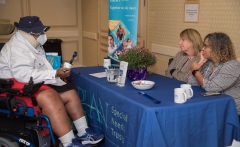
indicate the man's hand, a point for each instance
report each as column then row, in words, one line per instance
column 63, row 72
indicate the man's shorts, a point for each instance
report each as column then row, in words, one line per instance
column 63, row 88
column 18, row 85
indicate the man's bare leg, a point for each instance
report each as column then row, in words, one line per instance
column 52, row 106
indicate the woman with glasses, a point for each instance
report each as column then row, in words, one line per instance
column 218, row 70
column 190, row 44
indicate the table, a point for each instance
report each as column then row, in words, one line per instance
column 128, row 119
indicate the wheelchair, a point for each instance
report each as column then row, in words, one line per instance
column 19, row 126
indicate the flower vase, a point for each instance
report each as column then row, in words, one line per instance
column 136, row 74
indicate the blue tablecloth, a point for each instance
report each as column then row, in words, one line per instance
column 128, row 119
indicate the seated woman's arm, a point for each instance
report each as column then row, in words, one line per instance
column 192, row 80
column 222, row 79
column 182, row 73
column 172, row 67
column 227, row 76
column 180, row 67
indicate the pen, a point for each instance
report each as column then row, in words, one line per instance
column 150, row 97
column 70, row 80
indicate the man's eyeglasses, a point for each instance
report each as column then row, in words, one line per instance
column 37, row 34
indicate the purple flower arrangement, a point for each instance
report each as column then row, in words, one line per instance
column 138, row 58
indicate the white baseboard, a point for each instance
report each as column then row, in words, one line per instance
column 165, row 50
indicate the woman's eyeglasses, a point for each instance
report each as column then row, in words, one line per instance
column 205, row 46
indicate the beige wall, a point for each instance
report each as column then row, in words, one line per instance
column 165, row 22
column 63, row 16
column 76, row 23
column 90, row 26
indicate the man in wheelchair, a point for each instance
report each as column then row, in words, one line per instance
column 23, row 57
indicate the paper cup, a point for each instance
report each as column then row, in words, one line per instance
column 67, row 65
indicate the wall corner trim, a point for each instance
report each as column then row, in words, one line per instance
column 165, row 50
column 62, row 34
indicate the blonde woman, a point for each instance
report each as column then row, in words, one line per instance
column 190, row 44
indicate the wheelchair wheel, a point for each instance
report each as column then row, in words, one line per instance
column 6, row 142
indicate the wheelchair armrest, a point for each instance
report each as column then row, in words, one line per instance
column 10, row 104
column 30, row 89
column 24, row 106
column 6, row 83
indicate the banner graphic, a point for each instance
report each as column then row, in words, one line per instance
column 122, row 27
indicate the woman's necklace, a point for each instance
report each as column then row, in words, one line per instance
column 184, row 62
column 189, row 58
column 214, row 66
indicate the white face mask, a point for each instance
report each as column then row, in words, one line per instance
column 42, row 39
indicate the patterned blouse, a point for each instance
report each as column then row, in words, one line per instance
column 182, row 65
column 225, row 79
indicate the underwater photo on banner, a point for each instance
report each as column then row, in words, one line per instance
column 122, row 27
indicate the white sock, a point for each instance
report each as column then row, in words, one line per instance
column 67, row 138
column 81, row 125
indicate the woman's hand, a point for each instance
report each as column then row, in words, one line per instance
column 195, row 65
column 202, row 59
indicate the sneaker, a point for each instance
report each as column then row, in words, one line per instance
column 90, row 138
column 76, row 143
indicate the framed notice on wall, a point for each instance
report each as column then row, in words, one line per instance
column 191, row 12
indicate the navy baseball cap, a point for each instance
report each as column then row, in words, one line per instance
column 31, row 24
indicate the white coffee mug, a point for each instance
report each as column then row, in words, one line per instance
column 67, row 65
column 188, row 90
column 106, row 63
column 180, row 95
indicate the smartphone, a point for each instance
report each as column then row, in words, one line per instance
column 210, row 93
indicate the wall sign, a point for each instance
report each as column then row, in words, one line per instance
column 191, row 13
column 191, row 10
